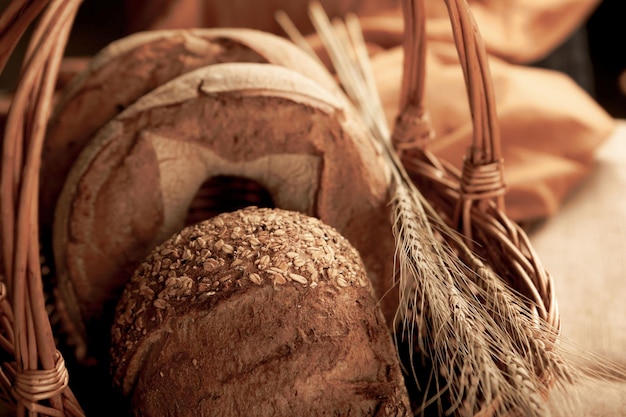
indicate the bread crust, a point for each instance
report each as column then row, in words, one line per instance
column 135, row 65
column 260, row 312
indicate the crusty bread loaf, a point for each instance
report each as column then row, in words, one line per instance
column 132, row 186
column 258, row 312
column 133, row 66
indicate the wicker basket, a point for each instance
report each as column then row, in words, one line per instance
column 471, row 201
column 35, row 379
column 33, row 374
column 466, row 208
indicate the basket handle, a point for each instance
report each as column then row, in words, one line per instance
column 412, row 127
column 481, row 178
column 38, row 378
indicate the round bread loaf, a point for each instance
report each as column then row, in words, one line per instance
column 132, row 186
column 135, row 65
column 258, row 312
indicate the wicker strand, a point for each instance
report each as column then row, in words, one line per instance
column 32, row 386
column 33, row 344
column 413, row 76
column 14, row 20
column 478, row 182
column 481, row 181
column 412, row 130
column 472, row 57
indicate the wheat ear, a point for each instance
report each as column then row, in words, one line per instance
column 474, row 328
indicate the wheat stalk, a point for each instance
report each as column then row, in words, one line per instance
column 486, row 346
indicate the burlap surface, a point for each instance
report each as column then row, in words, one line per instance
column 583, row 246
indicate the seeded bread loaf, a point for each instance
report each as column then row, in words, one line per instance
column 133, row 66
column 259, row 312
column 131, row 187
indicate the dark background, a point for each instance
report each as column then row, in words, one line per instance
column 607, row 47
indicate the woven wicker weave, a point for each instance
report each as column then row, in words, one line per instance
column 36, row 379
column 471, row 201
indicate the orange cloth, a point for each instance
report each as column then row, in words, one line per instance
column 550, row 127
column 516, row 30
